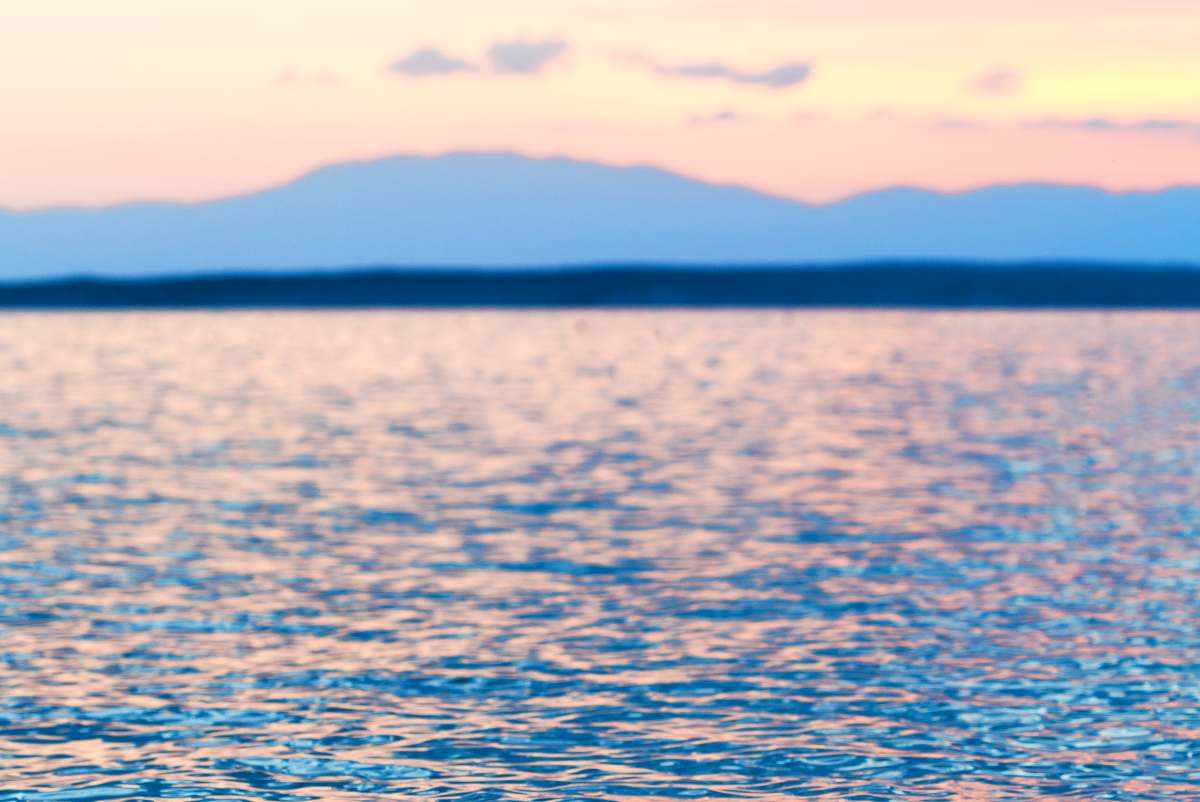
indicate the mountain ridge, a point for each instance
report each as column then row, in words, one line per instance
column 484, row 209
column 890, row 189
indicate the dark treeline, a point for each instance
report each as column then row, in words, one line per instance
column 904, row 285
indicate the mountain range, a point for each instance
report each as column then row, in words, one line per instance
column 487, row 210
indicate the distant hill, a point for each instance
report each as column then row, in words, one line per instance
column 898, row 285
column 505, row 210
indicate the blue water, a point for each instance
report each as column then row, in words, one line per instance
column 611, row 556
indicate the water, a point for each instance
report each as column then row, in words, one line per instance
column 638, row 556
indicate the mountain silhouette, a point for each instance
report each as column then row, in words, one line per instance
column 506, row 210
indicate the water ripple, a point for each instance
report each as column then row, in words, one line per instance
column 567, row 556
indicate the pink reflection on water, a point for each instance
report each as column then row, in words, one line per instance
column 756, row 553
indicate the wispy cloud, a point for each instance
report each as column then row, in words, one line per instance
column 1108, row 126
column 1162, row 126
column 510, row 57
column 521, row 57
column 722, row 117
column 430, row 62
column 783, row 76
column 997, row 82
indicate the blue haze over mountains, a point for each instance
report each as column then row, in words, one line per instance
column 505, row 210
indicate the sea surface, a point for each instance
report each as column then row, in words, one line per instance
column 289, row 556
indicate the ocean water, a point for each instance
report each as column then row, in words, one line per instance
column 599, row 555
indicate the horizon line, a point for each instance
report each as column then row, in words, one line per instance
column 548, row 270
column 1064, row 286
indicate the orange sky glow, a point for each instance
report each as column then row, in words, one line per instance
column 138, row 99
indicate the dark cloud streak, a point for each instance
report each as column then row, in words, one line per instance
column 429, row 62
column 784, row 76
column 521, row 57
column 1106, row 126
column 515, row 57
column 1095, row 125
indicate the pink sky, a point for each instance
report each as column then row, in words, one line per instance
column 135, row 99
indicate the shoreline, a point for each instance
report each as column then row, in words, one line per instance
column 905, row 285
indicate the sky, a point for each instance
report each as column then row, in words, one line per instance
column 183, row 100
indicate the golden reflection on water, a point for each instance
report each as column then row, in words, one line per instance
column 603, row 555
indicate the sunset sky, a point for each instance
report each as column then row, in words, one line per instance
column 144, row 99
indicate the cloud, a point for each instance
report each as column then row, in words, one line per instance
column 1160, row 126
column 517, row 57
column 996, row 82
column 429, row 62
column 1107, row 126
column 784, row 76
column 520, row 57
column 721, row 117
